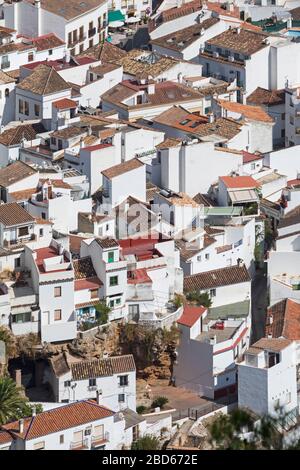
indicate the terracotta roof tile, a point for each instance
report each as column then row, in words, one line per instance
column 107, row 242
column 217, row 278
column 15, row 135
column 262, row 96
column 65, row 103
column 15, row 172
column 102, row 367
column 283, row 319
column 44, row 80
column 58, row 419
column 251, row 157
column 47, row 41
column 245, row 42
column 179, row 40
column 69, row 9
column 190, row 315
column 122, row 168
column 270, row 344
column 189, row 249
column 253, row 113
column 14, row 214
column 83, row 268
column 105, row 52
column 291, row 218
column 239, row 182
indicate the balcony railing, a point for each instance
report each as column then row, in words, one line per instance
column 79, row 445
column 99, row 440
column 91, row 32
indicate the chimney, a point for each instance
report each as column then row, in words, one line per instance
column 21, row 426
column 211, row 117
column 238, row 29
column 151, row 88
column 179, row 77
column 99, row 396
column 271, row 319
column 67, row 57
column 37, row 3
column 34, row 410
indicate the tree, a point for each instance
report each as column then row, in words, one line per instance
column 146, row 442
column 10, row 344
column 228, row 432
column 159, row 402
column 12, row 400
column 198, row 298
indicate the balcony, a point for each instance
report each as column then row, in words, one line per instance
column 77, row 40
column 97, row 441
column 5, row 65
column 91, row 32
column 79, row 445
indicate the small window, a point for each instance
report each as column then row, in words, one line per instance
column 121, row 398
column 30, row 57
column 118, row 301
column 212, row 292
column 107, row 227
column 57, row 315
column 37, row 110
column 123, row 380
column 92, row 382
column 111, row 303
column 252, row 166
column 39, row 446
column 94, row 293
column 113, row 281
column 283, row 116
column 23, row 231
column 57, row 291
column 91, row 43
column 207, row 256
column 17, row 262
column 43, row 214
column 111, row 256
column 50, row 52
column 61, row 439
column 41, row 232
column 199, row 258
column 6, row 92
column 67, row 383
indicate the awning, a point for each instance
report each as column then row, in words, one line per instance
column 115, row 15
column 116, row 24
column 244, row 195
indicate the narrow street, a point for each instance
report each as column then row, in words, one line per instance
column 259, row 305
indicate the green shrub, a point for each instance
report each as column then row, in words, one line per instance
column 159, row 402
column 141, row 409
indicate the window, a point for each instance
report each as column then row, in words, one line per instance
column 17, row 262
column 111, row 256
column 291, row 120
column 81, row 33
column 80, row 48
column 6, row 92
column 91, row 77
column 113, row 281
column 57, row 315
column 212, row 292
column 57, row 291
column 283, row 133
column 53, row 141
column 50, row 52
column 21, row 107
column 91, row 43
column 99, row 431
column 23, row 231
column 39, row 446
column 67, row 383
column 139, row 99
column 252, row 166
column 90, row 25
column 121, row 398
column 199, row 258
column 107, row 227
column 69, row 38
column 26, row 111
column 41, row 232
column 37, row 110
column 207, row 256
column 59, row 144
column 92, row 382
column 21, row 317
column 75, row 35
column 61, row 439
column 30, row 57
column 111, row 303
column 283, row 116
column 43, row 214
column 123, row 380
column 94, row 293
column 118, row 301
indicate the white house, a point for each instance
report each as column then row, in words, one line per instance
column 224, row 286
column 267, row 377
column 113, row 378
column 239, row 191
column 7, row 95
column 84, row 425
column 207, row 352
column 80, row 25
